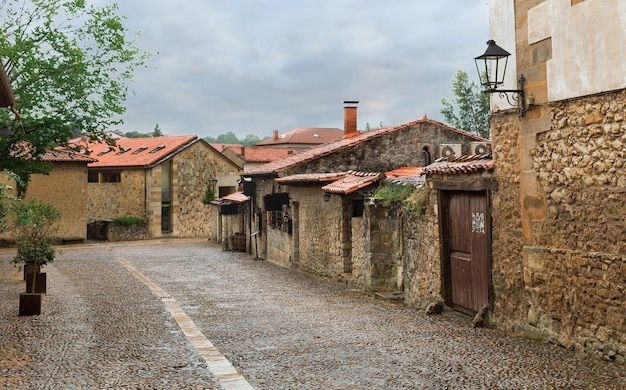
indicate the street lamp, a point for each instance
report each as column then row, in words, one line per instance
column 491, row 67
column 213, row 181
column 326, row 196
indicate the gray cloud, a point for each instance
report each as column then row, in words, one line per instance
column 253, row 66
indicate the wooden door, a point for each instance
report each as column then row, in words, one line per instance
column 466, row 249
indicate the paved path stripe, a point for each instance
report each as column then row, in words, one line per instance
column 218, row 365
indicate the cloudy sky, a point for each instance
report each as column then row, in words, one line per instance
column 252, row 66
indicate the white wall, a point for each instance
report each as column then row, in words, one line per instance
column 588, row 45
column 502, row 30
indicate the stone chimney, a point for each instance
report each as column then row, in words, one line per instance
column 349, row 118
column 275, row 135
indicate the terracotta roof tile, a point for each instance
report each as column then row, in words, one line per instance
column 235, row 197
column 462, row 164
column 352, row 182
column 407, row 176
column 261, row 154
column 343, row 143
column 305, row 135
column 66, row 156
column 311, row 177
column 137, row 152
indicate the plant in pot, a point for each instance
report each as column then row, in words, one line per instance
column 34, row 223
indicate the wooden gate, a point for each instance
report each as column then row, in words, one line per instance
column 466, row 249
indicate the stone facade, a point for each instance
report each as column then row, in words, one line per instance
column 572, row 271
column 421, row 256
column 325, row 238
column 107, row 201
column 559, row 217
column 65, row 188
column 140, row 193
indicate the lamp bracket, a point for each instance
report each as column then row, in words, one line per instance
column 515, row 97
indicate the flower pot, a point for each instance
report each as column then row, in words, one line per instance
column 31, row 268
column 30, row 304
column 40, row 283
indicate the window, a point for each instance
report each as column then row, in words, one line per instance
column 93, row 177
column 122, row 151
column 141, row 149
column 104, row 152
column 157, row 148
column 111, row 177
column 357, row 207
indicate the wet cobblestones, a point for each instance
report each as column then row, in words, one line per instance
column 282, row 329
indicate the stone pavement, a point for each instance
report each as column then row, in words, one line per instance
column 183, row 314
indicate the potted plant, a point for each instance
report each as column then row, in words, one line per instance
column 34, row 222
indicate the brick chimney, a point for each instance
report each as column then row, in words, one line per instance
column 275, row 135
column 349, row 118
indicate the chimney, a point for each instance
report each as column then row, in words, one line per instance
column 243, row 151
column 275, row 136
column 349, row 118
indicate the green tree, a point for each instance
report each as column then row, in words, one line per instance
column 469, row 108
column 251, row 139
column 157, row 131
column 69, row 64
column 228, row 138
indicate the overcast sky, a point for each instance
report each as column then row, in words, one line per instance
column 252, row 66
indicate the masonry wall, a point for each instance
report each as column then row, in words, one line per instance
column 397, row 149
column 107, row 201
column 559, row 217
column 65, row 188
column 383, row 246
column 320, row 232
column 421, row 255
column 191, row 170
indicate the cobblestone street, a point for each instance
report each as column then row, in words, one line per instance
column 163, row 314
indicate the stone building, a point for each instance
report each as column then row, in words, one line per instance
column 559, row 217
column 65, row 187
column 161, row 180
column 308, row 208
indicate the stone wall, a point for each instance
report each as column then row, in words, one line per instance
column 421, row 256
column 113, row 200
column 571, row 261
column 576, row 269
column 65, row 188
column 393, row 150
column 359, row 253
column 139, row 193
column 119, row 232
column 320, row 232
column 510, row 301
column 383, row 246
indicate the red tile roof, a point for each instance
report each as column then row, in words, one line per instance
column 352, row 182
column 344, row 143
column 66, row 156
column 407, row 176
column 261, row 154
column 311, row 177
column 462, row 164
column 235, row 197
column 221, row 147
column 137, row 152
column 305, row 135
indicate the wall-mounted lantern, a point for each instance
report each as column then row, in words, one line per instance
column 326, row 196
column 213, row 182
column 491, row 67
